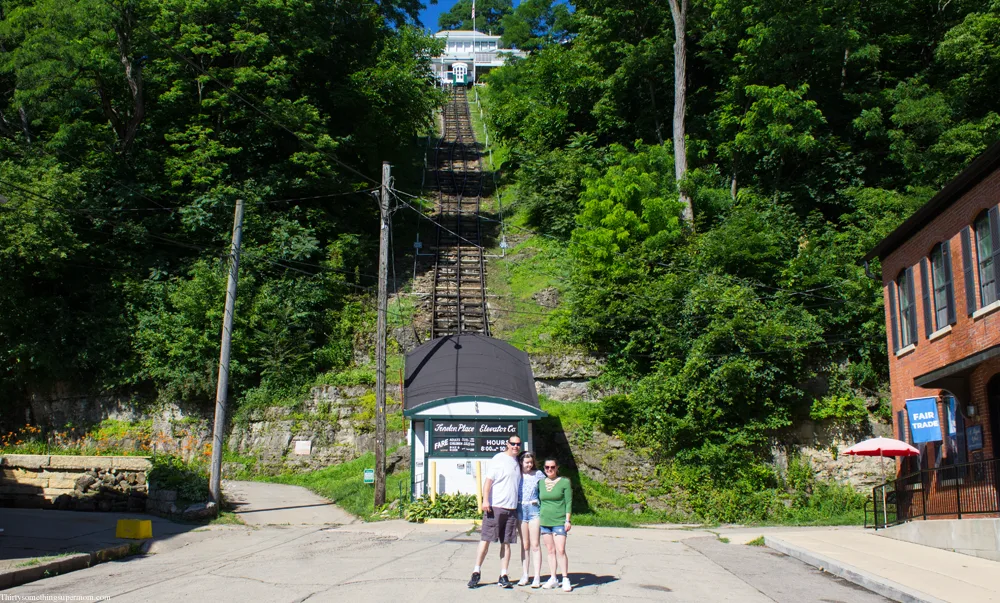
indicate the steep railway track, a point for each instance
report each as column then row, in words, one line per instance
column 459, row 295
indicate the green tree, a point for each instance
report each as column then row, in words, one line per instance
column 129, row 127
column 535, row 23
column 489, row 16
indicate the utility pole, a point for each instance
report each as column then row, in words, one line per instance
column 473, row 42
column 383, row 302
column 218, row 433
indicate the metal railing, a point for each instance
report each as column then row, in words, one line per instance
column 949, row 491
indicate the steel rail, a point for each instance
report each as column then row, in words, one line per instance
column 459, row 303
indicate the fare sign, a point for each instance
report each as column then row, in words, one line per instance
column 471, row 438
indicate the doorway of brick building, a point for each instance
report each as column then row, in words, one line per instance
column 993, row 400
column 993, row 403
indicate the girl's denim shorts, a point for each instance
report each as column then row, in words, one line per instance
column 527, row 512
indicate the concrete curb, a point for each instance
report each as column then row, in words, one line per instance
column 64, row 565
column 877, row 584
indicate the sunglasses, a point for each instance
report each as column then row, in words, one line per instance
column 514, row 443
column 550, row 467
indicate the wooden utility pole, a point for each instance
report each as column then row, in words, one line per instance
column 383, row 302
column 218, row 433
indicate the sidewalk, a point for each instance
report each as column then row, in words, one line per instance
column 36, row 543
column 895, row 569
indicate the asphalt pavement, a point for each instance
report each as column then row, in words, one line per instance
column 297, row 546
column 260, row 503
column 398, row 561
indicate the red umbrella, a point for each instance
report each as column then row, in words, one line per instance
column 882, row 447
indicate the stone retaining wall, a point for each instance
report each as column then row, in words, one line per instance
column 83, row 483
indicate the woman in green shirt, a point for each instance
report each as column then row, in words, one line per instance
column 555, row 494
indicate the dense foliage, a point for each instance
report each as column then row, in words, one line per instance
column 813, row 130
column 128, row 128
column 489, row 16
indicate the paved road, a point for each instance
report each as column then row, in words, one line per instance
column 260, row 504
column 407, row 562
column 779, row 577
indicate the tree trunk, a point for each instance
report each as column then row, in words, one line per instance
column 24, row 124
column 656, row 114
column 679, row 10
column 129, row 127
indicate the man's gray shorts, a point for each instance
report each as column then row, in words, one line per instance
column 500, row 525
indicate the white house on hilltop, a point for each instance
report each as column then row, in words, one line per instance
column 467, row 53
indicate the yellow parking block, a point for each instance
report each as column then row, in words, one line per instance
column 137, row 529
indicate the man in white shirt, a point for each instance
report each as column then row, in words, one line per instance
column 500, row 492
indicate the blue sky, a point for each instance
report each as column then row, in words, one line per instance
column 429, row 16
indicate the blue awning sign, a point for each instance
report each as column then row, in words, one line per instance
column 925, row 425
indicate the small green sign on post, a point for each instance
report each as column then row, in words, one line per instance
column 369, row 476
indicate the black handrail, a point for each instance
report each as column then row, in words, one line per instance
column 950, row 490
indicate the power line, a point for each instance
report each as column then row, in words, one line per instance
column 760, row 298
column 745, row 280
column 438, row 224
column 263, row 113
column 58, row 208
column 214, row 250
column 313, row 274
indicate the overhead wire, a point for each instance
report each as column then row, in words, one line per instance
column 810, row 293
column 57, row 207
column 216, row 250
column 258, row 110
column 659, row 299
column 745, row 280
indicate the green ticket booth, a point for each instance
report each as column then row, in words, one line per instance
column 465, row 395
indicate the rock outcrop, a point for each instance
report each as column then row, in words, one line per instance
column 336, row 424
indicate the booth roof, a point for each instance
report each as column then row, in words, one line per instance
column 468, row 365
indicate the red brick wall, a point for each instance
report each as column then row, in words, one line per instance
column 968, row 335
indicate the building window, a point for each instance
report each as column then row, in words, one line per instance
column 984, row 253
column 944, row 294
column 907, row 309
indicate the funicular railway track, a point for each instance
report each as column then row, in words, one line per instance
column 459, row 296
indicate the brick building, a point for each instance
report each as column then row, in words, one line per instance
column 942, row 308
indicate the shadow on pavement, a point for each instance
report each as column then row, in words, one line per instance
column 236, row 507
column 585, row 580
column 32, row 533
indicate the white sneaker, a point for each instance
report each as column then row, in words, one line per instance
column 523, row 581
column 536, row 583
column 566, row 586
column 552, row 583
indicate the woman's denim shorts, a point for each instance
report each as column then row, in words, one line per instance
column 555, row 530
column 527, row 512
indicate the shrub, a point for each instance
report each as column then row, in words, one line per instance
column 615, row 413
column 348, row 377
column 844, row 408
column 445, row 506
column 172, row 473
